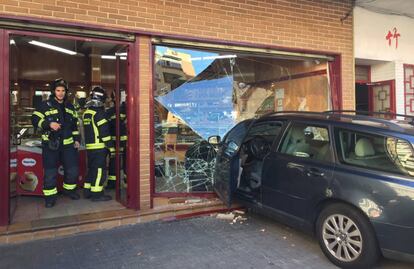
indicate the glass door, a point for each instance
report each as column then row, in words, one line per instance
column 7, row 205
column 120, row 122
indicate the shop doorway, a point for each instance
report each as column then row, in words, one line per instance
column 375, row 97
column 34, row 60
column 362, row 97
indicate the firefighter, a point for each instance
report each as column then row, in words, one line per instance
column 58, row 122
column 122, row 137
column 98, row 143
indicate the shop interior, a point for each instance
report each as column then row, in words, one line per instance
column 35, row 61
column 202, row 94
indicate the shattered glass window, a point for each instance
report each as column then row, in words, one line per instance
column 202, row 93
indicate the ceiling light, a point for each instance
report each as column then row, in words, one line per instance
column 52, row 47
column 112, row 57
column 12, row 42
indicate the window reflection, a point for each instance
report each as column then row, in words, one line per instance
column 200, row 94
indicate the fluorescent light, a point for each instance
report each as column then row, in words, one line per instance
column 111, row 57
column 214, row 57
column 48, row 46
column 40, row 72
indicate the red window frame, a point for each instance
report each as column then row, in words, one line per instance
column 409, row 79
column 391, row 83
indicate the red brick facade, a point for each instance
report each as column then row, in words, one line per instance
column 319, row 25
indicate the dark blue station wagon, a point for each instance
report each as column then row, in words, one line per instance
column 349, row 179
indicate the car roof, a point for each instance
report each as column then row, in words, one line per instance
column 404, row 126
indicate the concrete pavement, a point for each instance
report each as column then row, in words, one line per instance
column 204, row 242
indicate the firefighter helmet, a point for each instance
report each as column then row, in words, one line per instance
column 56, row 83
column 97, row 97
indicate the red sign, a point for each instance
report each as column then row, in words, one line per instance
column 393, row 35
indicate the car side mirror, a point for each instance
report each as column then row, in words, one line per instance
column 214, row 139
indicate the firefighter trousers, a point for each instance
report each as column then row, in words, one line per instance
column 112, row 165
column 96, row 176
column 68, row 156
column 112, row 168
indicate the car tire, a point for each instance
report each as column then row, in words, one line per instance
column 346, row 237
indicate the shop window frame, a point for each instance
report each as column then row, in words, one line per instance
column 335, row 94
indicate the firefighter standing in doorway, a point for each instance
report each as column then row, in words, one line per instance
column 58, row 121
column 122, row 137
column 98, row 143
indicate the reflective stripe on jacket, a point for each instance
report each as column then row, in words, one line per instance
column 66, row 115
column 96, row 127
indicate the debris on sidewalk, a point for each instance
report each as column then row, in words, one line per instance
column 225, row 216
column 240, row 219
column 234, row 216
column 240, row 212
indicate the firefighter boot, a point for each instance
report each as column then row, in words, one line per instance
column 72, row 194
column 111, row 184
column 50, row 201
column 100, row 197
column 87, row 194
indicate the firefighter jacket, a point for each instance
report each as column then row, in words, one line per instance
column 96, row 125
column 122, row 125
column 62, row 113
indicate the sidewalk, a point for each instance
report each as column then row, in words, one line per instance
column 204, row 242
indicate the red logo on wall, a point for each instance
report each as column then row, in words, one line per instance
column 393, row 35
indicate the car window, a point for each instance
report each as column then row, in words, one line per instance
column 268, row 130
column 234, row 138
column 374, row 151
column 307, row 141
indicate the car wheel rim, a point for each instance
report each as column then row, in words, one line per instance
column 342, row 238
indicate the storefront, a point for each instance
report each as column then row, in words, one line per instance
column 181, row 93
column 384, row 62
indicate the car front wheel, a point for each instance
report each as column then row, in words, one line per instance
column 346, row 237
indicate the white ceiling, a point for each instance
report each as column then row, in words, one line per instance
column 397, row 7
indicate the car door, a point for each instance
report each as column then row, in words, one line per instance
column 227, row 166
column 297, row 173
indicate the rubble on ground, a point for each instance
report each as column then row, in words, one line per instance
column 235, row 216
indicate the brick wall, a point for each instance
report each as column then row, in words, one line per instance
column 145, row 74
column 303, row 24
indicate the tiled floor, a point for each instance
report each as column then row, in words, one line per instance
column 29, row 208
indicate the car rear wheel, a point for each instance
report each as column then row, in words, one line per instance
column 346, row 237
